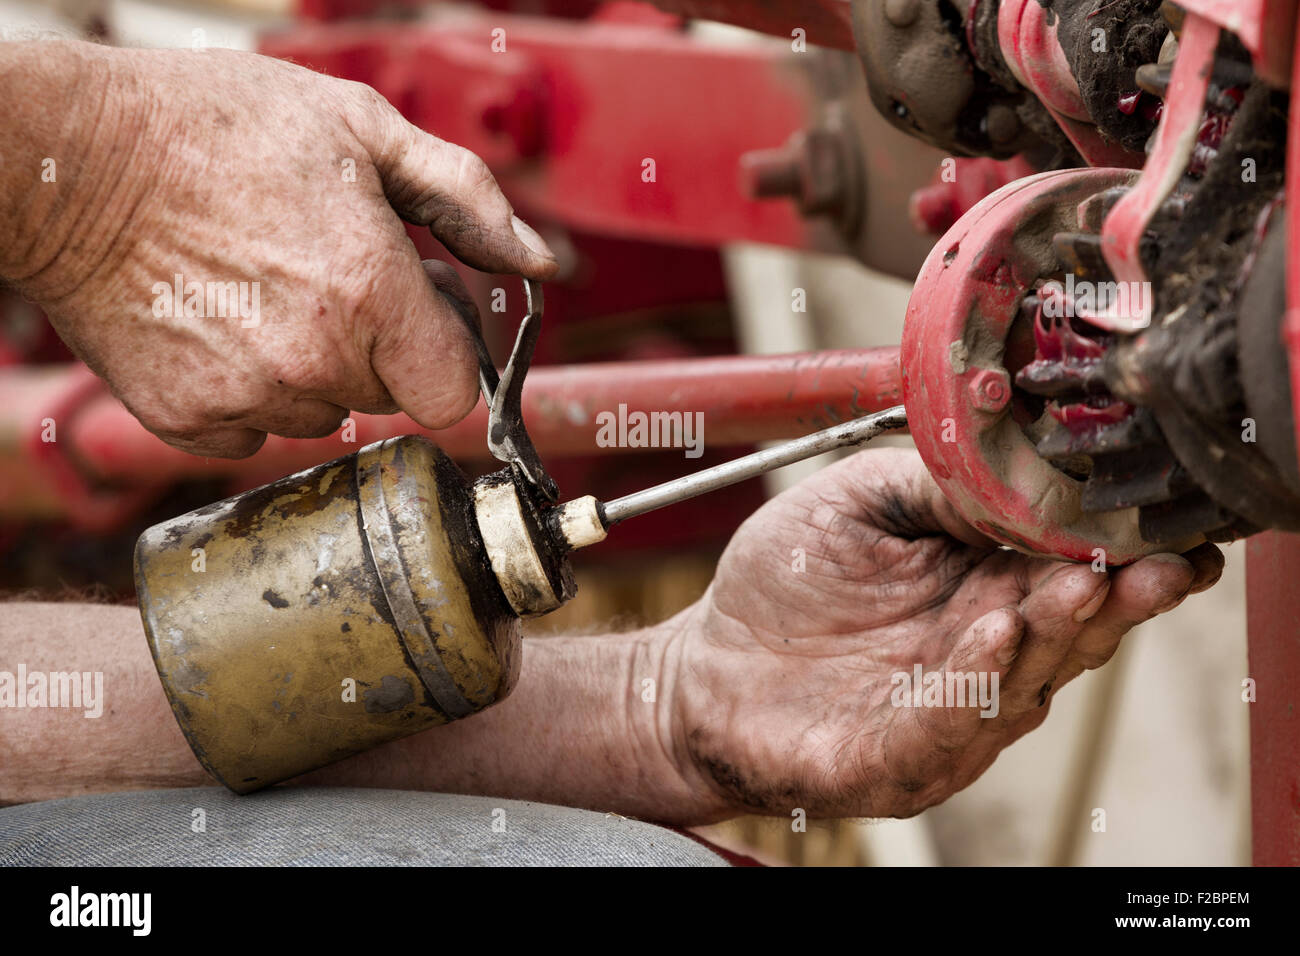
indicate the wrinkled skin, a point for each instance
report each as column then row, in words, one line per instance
column 230, row 167
column 782, row 693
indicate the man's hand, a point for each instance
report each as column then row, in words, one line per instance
column 782, row 694
column 227, row 168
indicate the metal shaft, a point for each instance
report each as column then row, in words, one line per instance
column 856, row 432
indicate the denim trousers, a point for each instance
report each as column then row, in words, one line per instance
column 311, row 826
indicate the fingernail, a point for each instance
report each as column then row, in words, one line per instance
column 1168, row 557
column 529, row 237
column 1094, row 603
column 1208, row 584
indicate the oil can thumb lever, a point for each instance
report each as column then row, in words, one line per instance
column 584, row 521
column 507, row 437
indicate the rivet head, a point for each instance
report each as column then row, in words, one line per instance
column 990, row 390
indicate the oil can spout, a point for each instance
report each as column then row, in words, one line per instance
column 845, row 435
column 527, row 542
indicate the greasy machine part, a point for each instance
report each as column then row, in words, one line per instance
column 1093, row 359
column 331, row 611
column 1050, row 78
column 1199, row 436
column 964, row 341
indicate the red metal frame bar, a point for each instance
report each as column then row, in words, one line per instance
column 825, row 22
column 1266, row 27
column 1272, row 571
column 1272, row 613
column 744, row 399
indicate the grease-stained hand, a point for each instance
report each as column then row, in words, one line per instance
column 224, row 168
column 783, row 686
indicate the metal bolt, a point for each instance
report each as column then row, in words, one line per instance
column 990, row 389
column 772, row 173
column 815, row 167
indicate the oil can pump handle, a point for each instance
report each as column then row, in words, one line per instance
column 507, row 436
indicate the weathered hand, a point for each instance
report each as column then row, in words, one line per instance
column 784, row 684
column 278, row 194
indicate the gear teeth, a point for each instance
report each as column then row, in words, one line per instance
column 1053, row 379
column 1133, row 480
column 1130, row 435
column 1131, row 467
column 1179, row 519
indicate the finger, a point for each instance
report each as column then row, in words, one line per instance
column 1151, row 586
column 430, row 182
column 424, row 354
column 299, row 418
column 987, row 648
column 1054, row 613
column 218, row 442
column 1208, row 561
column 921, row 745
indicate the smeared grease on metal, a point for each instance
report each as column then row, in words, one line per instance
column 392, row 694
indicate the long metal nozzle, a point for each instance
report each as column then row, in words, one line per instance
column 856, row 432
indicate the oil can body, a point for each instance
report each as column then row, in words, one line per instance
column 331, row 611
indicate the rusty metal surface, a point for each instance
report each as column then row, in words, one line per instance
column 260, row 608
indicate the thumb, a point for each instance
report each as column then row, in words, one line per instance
column 431, row 182
column 426, row 356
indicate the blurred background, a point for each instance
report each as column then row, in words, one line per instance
column 1158, row 739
